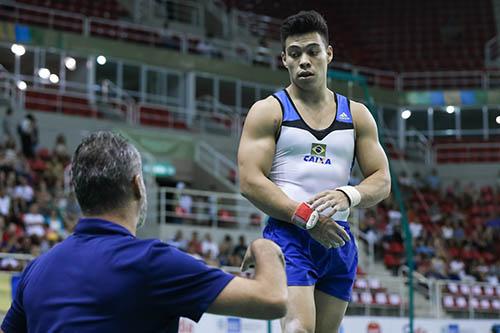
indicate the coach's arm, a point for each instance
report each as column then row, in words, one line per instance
column 265, row 296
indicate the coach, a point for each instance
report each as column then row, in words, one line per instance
column 103, row 279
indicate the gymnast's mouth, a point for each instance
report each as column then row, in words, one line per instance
column 305, row 74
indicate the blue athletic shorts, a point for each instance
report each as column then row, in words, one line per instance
column 309, row 263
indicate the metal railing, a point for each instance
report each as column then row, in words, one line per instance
column 470, row 300
column 492, row 52
column 478, row 299
column 444, row 80
column 258, row 25
column 468, row 152
column 217, row 165
column 185, row 11
column 233, row 50
column 111, row 93
column 109, row 101
column 123, row 30
column 215, row 209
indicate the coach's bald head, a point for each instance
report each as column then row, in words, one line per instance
column 107, row 178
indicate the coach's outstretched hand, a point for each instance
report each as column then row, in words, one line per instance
column 329, row 233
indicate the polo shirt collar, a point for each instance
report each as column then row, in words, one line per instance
column 100, row 226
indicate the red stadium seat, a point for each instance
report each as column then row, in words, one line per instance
column 381, row 298
column 367, row 298
column 452, row 288
column 448, row 301
column 360, row 284
column 394, row 299
column 461, row 302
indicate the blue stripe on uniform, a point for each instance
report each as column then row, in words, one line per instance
column 289, row 113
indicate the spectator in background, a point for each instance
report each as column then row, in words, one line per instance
column 433, row 180
column 8, row 125
column 185, row 206
column 194, row 245
column 405, row 181
column 394, row 215
column 4, row 202
column 458, row 231
column 239, row 251
column 415, row 228
column 209, row 248
column 34, row 222
column 226, row 250
column 178, row 241
column 28, row 133
column 418, row 183
column 24, row 191
column 205, row 47
column 255, row 219
column 447, row 230
column 60, row 149
column 456, row 271
column 56, row 224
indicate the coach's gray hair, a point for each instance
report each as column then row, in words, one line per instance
column 102, row 171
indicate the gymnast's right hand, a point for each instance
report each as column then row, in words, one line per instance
column 329, row 233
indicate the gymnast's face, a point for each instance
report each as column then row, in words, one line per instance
column 306, row 57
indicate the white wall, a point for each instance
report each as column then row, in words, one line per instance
column 353, row 324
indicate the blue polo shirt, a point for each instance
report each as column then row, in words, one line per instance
column 103, row 279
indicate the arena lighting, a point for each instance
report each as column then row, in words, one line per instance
column 17, row 49
column 70, row 63
column 54, row 78
column 101, row 60
column 450, row 109
column 22, row 85
column 406, row 114
column 44, row 73
column 497, row 119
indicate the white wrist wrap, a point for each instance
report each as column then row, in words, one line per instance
column 351, row 193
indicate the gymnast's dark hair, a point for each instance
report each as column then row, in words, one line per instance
column 102, row 172
column 302, row 23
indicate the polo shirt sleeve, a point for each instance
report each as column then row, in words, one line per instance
column 15, row 319
column 179, row 284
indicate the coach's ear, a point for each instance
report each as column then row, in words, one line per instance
column 136, row 187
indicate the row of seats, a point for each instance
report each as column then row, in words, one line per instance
column 53, row 101
column 48, row 100
column 111, row 9
column 377, row 298
column 460, row 303
column 402, row 35
column 476, row 290
column 371, row 284
column 467, row 154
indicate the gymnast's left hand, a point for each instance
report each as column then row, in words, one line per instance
column 336, row 200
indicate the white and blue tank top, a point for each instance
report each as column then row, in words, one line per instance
column 309, row 161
